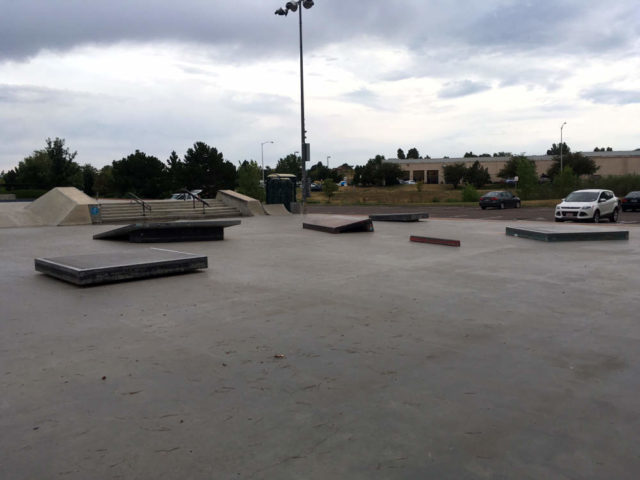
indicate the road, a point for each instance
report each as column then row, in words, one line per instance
column 541, row 214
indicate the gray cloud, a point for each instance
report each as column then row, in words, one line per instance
column 611, row 96
column 363, row 96
column 462, row 88
column 245, row 29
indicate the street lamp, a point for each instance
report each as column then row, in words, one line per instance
column 262, row 153
column 295, row 6
column 328, row 157
column 561, row 127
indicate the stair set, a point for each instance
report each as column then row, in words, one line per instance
column 163, row 210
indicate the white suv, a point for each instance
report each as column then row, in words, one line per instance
column 591, row 205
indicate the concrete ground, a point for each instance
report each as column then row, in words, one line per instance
column 505, row 358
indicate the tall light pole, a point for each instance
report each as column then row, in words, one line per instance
column 328, row 157
column 561, row 127
column 294, row 6
column 262, row 154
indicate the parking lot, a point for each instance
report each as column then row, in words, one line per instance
column 301, row 354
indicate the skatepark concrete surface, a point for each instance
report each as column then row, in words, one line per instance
column 304, row 355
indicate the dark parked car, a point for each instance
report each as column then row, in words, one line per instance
column 631, row 201
column 499, row 200
column 316, row 187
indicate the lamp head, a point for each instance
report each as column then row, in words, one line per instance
column 293, row 6
column 307, row 3
column 282, row 11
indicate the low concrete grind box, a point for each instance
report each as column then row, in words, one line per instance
column 84, row 270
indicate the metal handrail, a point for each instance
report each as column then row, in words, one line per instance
column 139, row 201
column 195, row 198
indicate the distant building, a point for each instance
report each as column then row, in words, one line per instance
column 429, row 170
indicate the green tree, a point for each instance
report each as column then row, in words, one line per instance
column 580, row 165
column 527, row 177
column 89, row 175
column 292, row 164
column 206, row 168
column 176, row 172
column 476, row 175
column 52, row 166
column 555, row 149
column 401, row 155
column 390, row 173
column 358, row 175
column 141, row 174
column 413, row 153
column 319, row 172
column 35, row 171
column 103, row 185
column 502, row 154
column 9, row 179
column 249, row 176
column 454, row 173
column 470, row 155
column 510, row 168
column 329, row 188
column 377, row 172
column 64, row 170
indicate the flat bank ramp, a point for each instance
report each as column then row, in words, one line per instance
column 276, row 209
column 62, row 206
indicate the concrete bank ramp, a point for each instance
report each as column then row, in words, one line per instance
column 248, row 206
column 276, row 209
column 61, row 206
column 16, row 215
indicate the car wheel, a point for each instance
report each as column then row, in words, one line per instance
column 559, row 220
column 614, row 216
column 596, row 217
column 483, row 208
column 517, row 204
column 502, row 206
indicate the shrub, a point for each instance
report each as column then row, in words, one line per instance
column 329, row 188
column 470, row 194
column 620, row 184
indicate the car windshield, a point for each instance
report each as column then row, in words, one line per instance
column 492, row 194
column 633, row 194
column 582, row 197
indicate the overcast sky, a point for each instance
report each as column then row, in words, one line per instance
column 444, row 76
